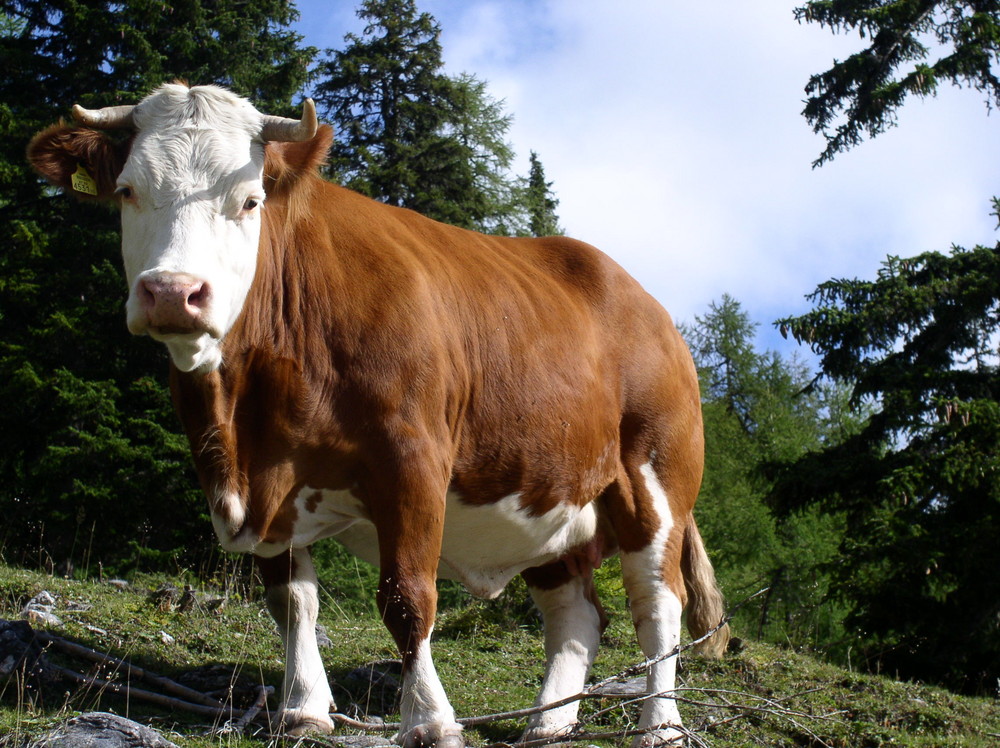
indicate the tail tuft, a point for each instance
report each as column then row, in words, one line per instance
column 706, row 608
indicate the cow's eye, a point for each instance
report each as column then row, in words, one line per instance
column 251, row 203
column 124, row 192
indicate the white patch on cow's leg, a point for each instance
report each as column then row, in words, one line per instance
column 426, row 716
column 658, row 628
column 572, row 634
column 656, row 612
column 306, row 698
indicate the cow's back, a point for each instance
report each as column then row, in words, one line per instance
column 534, row 351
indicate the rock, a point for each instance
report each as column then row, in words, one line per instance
column 166, row 638
column 39, row 610
column 41, row 617
column 102, row 730
column 43, row 599
column 188, row 599
column 322, row 639
column 21, row 655
column 215, row 604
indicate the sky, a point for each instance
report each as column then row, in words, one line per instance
column 673, row 137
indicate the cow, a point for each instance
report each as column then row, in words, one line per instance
column 442, row 402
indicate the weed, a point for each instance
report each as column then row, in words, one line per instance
column 489, row 656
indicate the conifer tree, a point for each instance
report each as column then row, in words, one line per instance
column 92, row 464
column 861, row 95
column 916, row 346
column 541, row 202
column 408, row 134
column 757, row 410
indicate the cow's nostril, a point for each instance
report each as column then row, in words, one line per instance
column 198, row 297
column 147, row 295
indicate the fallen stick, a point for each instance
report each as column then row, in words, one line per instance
column 124, row 689
column 250, row 714
column 130, row 670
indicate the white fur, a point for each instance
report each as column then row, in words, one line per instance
column 306, row 691
column 572, row 634
column 228, row 517
column 424, row 703
column 656, row 612
column 484, row 547
column 195, row 160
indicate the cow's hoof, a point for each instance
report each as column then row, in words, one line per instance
column 547, row 733
column 296, row 722
column 433, row 736
column 659, row 739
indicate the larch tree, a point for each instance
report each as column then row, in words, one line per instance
column 758, row 409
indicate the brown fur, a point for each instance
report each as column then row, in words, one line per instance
column 386, row 354
column 56, row 152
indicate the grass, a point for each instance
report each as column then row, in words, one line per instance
column 489, row 656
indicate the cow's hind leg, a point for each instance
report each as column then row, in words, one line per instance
column 650, row 555
column 291, row 587
column 573, row 623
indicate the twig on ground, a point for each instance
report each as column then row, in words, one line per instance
column 152, row 697
column 238, row 719
column 129, row 670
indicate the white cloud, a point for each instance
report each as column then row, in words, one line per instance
column 673, row 135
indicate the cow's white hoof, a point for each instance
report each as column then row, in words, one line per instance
column 300, row 722
column 433, row 736
column 546, row 733
column 658, row 738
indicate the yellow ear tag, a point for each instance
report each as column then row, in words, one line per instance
column 83, row 182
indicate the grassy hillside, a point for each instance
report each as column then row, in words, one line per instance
column 489, row 657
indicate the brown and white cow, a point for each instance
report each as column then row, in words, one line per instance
column 442, row 402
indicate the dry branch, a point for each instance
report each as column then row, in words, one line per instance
column 130, row 671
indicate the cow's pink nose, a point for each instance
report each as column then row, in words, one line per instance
column 174, row 302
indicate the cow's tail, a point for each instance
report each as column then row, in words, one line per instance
column 706, row 608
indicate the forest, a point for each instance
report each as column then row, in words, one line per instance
column 861, row 499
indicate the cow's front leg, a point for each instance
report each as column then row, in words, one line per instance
column 290, row 583
column 409, row 550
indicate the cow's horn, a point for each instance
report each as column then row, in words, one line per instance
column 108, row 118
column 283, row 129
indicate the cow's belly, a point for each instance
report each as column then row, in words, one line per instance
column 483, row 547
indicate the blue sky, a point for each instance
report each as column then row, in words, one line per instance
column 673, row 137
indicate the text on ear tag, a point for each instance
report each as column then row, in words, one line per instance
column 83, row 182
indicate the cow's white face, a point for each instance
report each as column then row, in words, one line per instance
column 191, row 198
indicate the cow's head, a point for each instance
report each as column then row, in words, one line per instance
column 190, row 186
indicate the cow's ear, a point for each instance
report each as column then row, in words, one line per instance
column 84, row 162
column 286, row 163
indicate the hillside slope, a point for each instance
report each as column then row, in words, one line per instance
column 489, row 656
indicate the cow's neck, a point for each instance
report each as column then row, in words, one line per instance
column 286, row 341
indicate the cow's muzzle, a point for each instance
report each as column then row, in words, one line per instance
column 172, row 304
